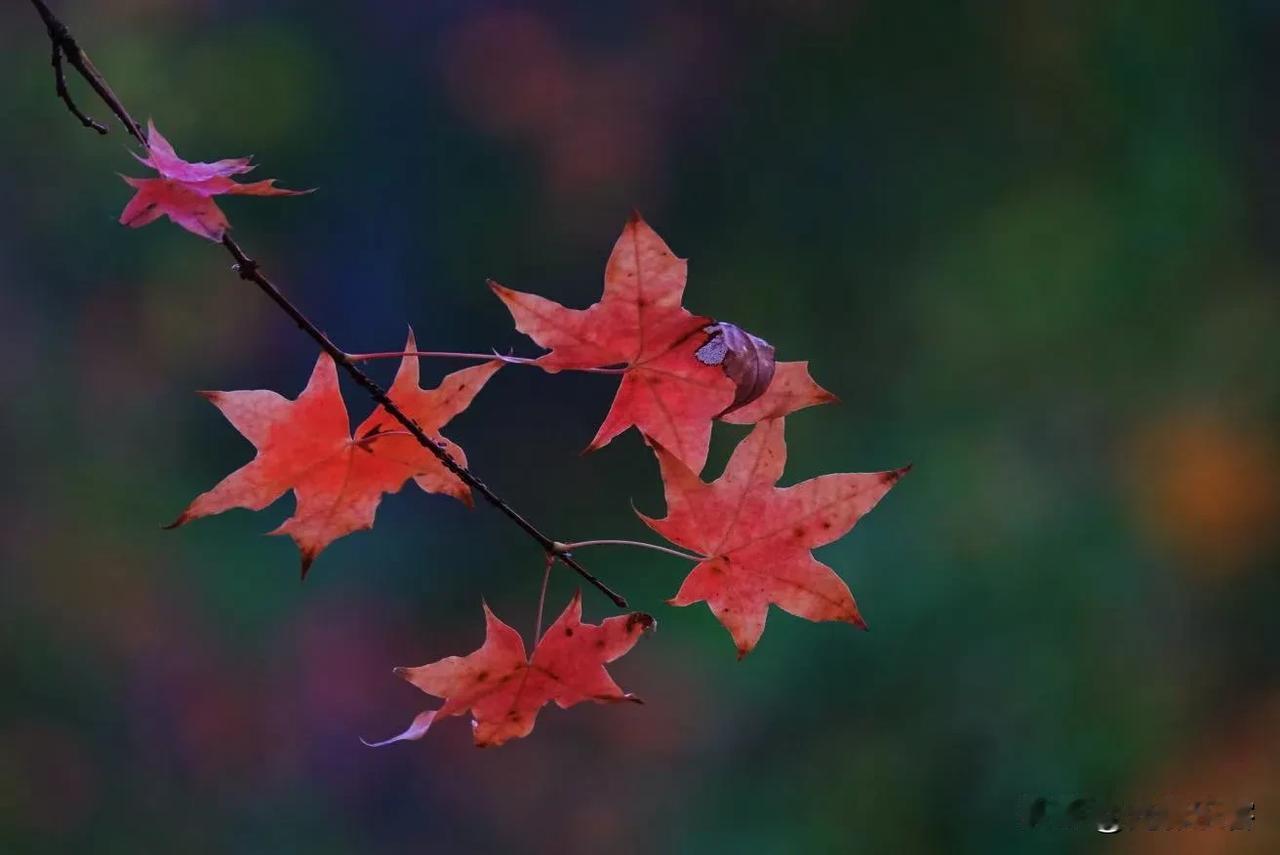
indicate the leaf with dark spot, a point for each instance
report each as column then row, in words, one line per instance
column 567, row 667
column 755, row 538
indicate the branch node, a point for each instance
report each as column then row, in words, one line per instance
column 248, row 269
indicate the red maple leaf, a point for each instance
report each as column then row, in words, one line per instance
column 338, row 480
column 754, row 538
column 184, row 191
column 667, row 391
column 504, row 689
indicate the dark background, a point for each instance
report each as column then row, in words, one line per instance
column 1029, row 244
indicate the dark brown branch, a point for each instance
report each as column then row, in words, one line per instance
column 249, row 270
column 60, row 86
column 64, row 44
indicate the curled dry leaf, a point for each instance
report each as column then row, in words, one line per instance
column 305, row 445
column 504, row 690
column 755, row 538
column 747, row 360
column 184, row 191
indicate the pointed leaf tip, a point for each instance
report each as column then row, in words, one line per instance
column 792, row 388
column 416, row 730
column 893, row 476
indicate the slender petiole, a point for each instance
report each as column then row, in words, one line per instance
column 563, row 548
column 478, row 357
column 542, row 600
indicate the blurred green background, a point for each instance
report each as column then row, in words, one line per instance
column 1029, row 244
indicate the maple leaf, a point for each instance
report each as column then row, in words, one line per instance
column 504, row 689
column 338, row 480
column 184, row 191
column 676, row 377
column 754, row 538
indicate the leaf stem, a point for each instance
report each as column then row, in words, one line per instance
column 249, row 270
column 567, row 548
column 542, row 601
column 478, row 357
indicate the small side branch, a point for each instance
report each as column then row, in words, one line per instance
column 438, row 354
column 60, row 86
column 475, row 357
column 568, row 548
column 65, row 46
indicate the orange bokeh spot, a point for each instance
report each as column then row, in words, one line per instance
column 1209, row 489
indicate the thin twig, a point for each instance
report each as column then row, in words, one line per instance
column 60, row 86
column 568, row 548
column 249, row 270
column 438, row 354
column 67, row 47
column 477, row 357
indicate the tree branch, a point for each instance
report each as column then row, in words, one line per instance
column 65, row 45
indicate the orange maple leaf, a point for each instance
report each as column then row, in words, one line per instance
column 754, row 538
column 338, row 480
column 504, row 689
